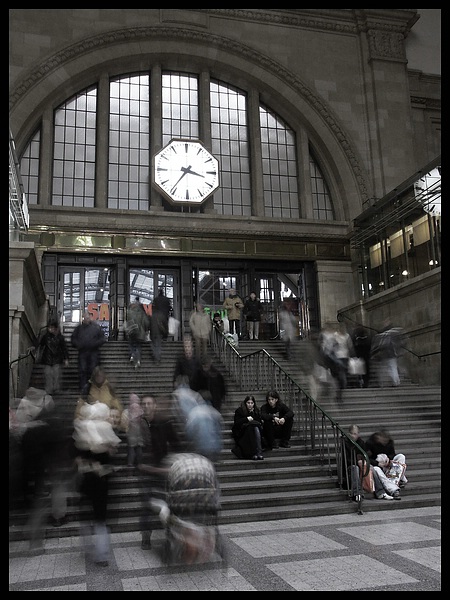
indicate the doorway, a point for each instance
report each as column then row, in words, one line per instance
column 84, row 289
column 146, row 284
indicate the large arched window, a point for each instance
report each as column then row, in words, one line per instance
column 229, row 137
column 264, row 165
column 129, row 143
column 279, row 167
column 74, row 151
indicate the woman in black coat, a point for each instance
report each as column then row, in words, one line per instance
column 246, row 430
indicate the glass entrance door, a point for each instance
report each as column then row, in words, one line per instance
column 146, row 284
column 84, row 288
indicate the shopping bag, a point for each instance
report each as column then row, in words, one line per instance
column 173, row 326
column 368, row 483
column 395, row 471
column 356, row 366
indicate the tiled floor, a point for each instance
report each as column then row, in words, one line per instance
column 389, row 550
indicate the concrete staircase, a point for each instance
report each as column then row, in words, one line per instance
column 289, row 482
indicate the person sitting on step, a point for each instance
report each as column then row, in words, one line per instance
column 278, row 419
column 389, row 466
column 246, row 430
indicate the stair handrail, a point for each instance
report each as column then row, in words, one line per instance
column 318, row 430
column 12, row 379
column 342, row 316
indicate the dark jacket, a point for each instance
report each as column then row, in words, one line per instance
column 348, row 446
column 54, row 349
column 189, row 367
column 211, row 380
column 159, row 438
column 87, row 337
column 241, row 423
column 279, row 410
column 377, row 445
column 252, row 309
column 161, row 304
column 243, row 431
column 138, row 317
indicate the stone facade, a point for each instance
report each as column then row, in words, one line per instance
column 338, row 76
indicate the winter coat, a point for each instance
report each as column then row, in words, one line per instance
column 138, row 317
column 233, row 306
column 212, row 381
column 87, row 337
column 376, row 445
column 200, row 324
column 280, row 410
column 104, row 394
column 253, row 309
column 54, row 349
column 243, row 431
column 240, row 421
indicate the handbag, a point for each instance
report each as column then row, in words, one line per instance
column 173, row 326
column 368, row 483
column 356, row 366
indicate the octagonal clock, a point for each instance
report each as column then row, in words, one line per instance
column 185, row 172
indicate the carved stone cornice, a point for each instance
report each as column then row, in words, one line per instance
column 76, row 221
column 427, row 103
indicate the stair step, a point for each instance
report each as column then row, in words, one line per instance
column 288, row 483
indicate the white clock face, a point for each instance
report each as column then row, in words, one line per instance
column 428, row 192
column 185, row 172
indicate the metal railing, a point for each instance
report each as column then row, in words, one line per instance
column 13, row 378
column 319, row 434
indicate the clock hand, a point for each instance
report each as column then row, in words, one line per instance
column 178, row 181
column 188, row 171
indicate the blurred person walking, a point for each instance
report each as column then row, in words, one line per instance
column 130, row 423
column 187, row 363
column 54, row 354
column 161, row 309
column 386, row 348
column 99, row 388
column 87, row 338
column 136, row 328
column 201, row 327
column 211, row 380
column 288, row 328
column 343, row 350
column 233, row 305
column 362, row 343
column 204, row 427
column 335, row 349
column 95, row 442
column 160, row 439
